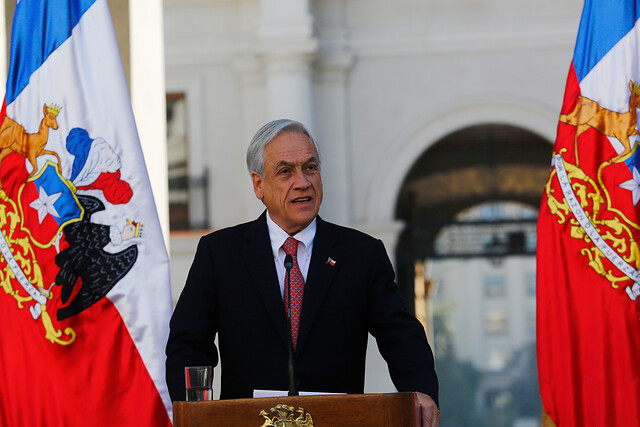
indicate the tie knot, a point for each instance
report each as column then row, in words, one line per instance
column 291, row 247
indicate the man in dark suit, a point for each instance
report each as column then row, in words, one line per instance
column 342, row 288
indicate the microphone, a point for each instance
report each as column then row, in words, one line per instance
column 288, row 265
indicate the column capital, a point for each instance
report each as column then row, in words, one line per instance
column 300, row 49
column 334, row 67
column 287, row 48
column 285, row 28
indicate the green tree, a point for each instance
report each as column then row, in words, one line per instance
column 524, row 389
column 458, row 380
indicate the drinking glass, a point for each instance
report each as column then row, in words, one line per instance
column 198, row 381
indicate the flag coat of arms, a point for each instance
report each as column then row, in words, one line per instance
column 84, row 275
column 588, row 255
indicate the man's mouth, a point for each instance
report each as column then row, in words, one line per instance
column 302, row 200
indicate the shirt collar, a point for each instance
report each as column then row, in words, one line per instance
column 278, row 235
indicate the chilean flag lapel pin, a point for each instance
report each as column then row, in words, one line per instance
column 331, row 262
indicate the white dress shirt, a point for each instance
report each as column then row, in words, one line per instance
column 278, row 236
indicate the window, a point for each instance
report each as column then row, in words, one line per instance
column 495, row 286
column 177, row 161
column 495, row 322
column 530, row 283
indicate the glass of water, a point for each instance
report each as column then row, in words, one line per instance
column 198, row 381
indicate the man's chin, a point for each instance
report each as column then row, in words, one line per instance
column 303, row 221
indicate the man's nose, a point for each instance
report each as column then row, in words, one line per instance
column 300, row 180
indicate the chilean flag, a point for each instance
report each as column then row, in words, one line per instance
column 84, row 274
column 588, row 256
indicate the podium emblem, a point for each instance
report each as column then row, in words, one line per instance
column 282, row 416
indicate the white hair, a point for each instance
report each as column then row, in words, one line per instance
column 266, row 134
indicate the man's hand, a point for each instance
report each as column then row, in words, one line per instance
column 427, row 410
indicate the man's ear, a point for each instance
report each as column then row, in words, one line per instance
column 257, row 185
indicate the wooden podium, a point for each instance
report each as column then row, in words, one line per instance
column 354, row 410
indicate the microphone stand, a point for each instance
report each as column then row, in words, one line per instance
column 288, row 265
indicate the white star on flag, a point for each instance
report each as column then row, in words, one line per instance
column 44, row 204
column 633, row 185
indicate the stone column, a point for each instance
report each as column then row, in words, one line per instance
column 287, row 48
column 148, row 97
column 332, row 69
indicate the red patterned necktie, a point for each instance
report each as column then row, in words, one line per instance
column 297, row 288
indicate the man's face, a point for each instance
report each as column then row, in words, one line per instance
column 291, row 188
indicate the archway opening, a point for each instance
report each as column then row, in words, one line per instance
column 466, row 265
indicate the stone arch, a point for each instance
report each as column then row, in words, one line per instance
column 480, row 163
column 534, row 128
column 382, row 194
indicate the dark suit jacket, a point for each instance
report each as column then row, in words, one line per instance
column 232, row 290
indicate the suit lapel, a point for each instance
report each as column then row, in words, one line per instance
column 259, row 259
column 325, row 261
